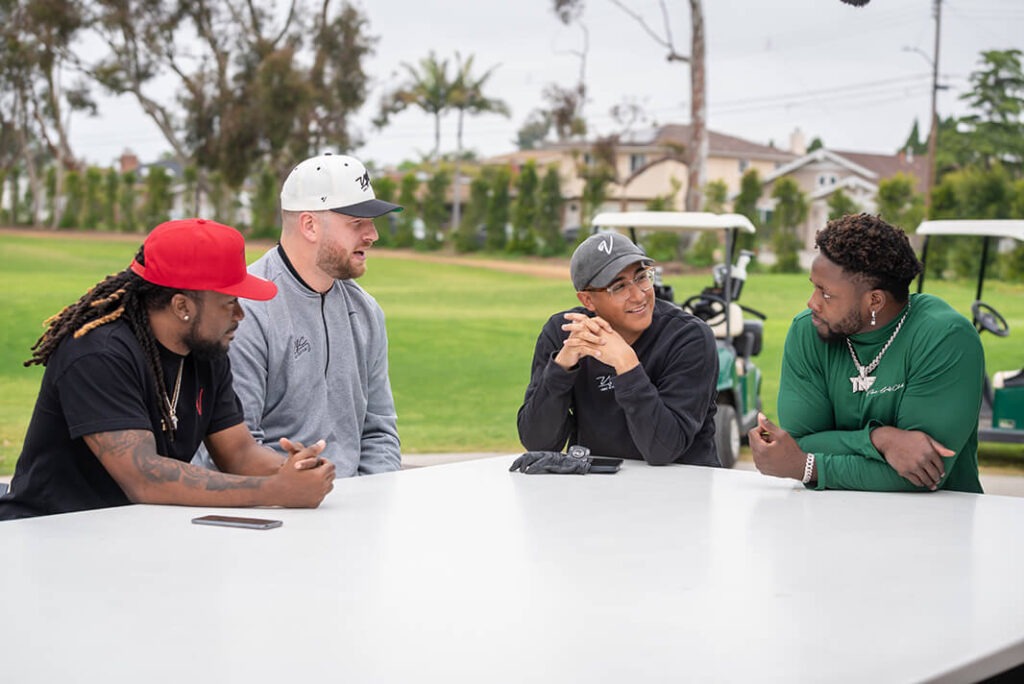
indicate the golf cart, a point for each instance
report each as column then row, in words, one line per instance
column 738, row 337
column 1002, row 403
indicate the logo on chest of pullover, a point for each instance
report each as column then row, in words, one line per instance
column 605, row 383
column 300, row 346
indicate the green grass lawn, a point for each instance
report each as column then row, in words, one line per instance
column 461, row 337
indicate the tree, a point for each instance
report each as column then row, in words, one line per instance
column 497, row 210
column 702, row 251
column 37, row 104
column 898, row 204
column 467, row 97
column 428, row 87
column 746, row 204
column 246, row 94
column 816, row 144
column 840, row 204
column 126, row 204
column 976, row 193
column 996, row 126
column 697, row 149
column 549, row 214
column 914, row 143
column 597, row 169
column 467, row 238
column 534, row 131
column 111, row 188
column 73, row 195
column 385, row 188
column 264, row 205
column 92, row 205
column 404, row 233
column 435, row 211
column 524, row 211
column 156, row 206
column 791, row 210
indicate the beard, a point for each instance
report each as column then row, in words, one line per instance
column 837, row 334
column 336, row 262
column 204, row 350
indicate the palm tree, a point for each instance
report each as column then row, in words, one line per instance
column 428, row 87
column 467, row 97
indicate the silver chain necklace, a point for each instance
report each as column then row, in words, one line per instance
column 172, row 404
column 863, row 381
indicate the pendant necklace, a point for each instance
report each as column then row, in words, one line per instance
column 172, row 403
column 863, row 381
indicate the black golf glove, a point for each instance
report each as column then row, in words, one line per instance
column 534, row 462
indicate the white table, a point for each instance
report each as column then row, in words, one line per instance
column 469, row 573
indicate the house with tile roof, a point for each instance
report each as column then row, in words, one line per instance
column 647, row 165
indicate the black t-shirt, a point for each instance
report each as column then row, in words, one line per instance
column 101, row 382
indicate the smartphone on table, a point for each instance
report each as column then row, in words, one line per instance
column 604, row 465
column 234, row 521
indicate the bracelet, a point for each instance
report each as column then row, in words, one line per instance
column 808, row 468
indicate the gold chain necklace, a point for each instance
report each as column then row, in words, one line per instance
column 862, row 381
column 172, row 403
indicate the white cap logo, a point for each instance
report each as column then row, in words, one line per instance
column 605, row 247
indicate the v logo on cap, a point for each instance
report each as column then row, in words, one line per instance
column 605, row 247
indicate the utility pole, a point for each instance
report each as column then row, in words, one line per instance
column 934, row 132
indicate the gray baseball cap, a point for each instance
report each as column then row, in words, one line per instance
column 600, row 257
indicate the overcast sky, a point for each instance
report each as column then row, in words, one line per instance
column 855, row 77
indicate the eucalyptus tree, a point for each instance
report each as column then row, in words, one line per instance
column 36, row 102
column 256, row 83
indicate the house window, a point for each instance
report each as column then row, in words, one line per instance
column 744, row 165
column 826, row 180
column 636, row 161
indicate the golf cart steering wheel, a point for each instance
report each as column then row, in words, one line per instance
column 987, row 318
column 701, row 306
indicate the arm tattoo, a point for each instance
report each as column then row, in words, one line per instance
column 139, row 448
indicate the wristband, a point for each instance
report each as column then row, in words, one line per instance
column 808, row 468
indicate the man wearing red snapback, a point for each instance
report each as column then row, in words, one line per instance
column 137, row 377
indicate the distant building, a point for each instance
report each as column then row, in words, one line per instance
column 648, row 165
column 823, row 172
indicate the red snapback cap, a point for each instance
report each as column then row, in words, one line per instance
column 198, row 254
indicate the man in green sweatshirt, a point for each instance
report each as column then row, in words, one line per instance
column 880, row 389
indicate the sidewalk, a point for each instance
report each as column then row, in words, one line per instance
column 993, row 482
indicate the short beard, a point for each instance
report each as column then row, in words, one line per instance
column 335, row 262
column 204, row 350
column 846, row 327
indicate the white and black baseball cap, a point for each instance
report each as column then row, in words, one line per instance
column 600, row 257
column 333, row 182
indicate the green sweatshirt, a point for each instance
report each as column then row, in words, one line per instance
column 930, row 379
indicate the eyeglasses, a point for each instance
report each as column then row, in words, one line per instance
column 644, row 281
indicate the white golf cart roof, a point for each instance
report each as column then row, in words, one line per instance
column 673, row 220
column 982, row 228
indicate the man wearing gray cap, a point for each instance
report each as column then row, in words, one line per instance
column 625, row 374
column 313, row 363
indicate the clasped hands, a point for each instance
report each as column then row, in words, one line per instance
column 593, row 336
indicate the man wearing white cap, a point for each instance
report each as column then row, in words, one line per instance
column 625, row 374
column 313, row 362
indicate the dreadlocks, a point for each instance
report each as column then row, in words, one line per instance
column 872, row 250
column 122, row 294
